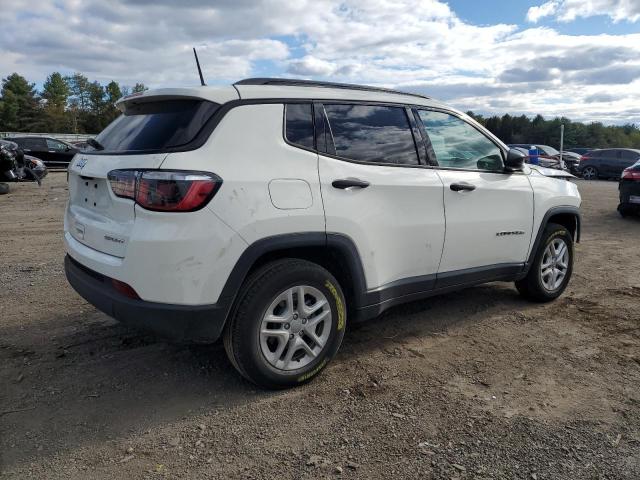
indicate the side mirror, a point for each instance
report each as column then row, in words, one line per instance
column 514, row 161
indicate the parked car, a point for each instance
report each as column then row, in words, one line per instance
column 571, row 161
column 546, row 153
column 579, row 150
column 629, row 187
column 543, row 161
column 607, row 162
column 51, row 151
column 342, row 201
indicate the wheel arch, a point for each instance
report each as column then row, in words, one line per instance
column 335, row 252
column 567, row 216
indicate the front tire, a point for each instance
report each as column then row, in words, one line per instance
column 552, row 266
column 287, row 325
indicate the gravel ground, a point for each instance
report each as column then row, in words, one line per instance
column 475, row 384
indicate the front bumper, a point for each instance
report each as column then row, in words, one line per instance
column 194, row 323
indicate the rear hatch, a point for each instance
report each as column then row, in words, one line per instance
column 140, row 139
column 97, row 218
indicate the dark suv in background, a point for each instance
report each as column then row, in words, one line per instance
column 629, row 187
column 607, row 162
column 51, row 151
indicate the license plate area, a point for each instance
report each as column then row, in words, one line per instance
column 634, row 199
column 91, row 193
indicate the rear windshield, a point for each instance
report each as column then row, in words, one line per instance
column 156, row 126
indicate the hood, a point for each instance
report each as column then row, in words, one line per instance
column 550, row 172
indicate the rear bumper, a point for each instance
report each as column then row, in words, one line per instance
column 196, row 323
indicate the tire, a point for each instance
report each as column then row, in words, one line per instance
column 537, row 286
column 264, row 337
column 590, row 173
column 4, row 188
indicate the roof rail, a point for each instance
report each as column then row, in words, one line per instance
column 292, row 82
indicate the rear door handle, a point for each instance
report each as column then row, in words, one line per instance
column 457, row 187
column 349, row 182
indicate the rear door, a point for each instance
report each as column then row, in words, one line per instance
column 608, row 160
column 35, row 146
column 376, row 191
column 489, row 213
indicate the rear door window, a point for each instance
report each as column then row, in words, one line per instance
column 299, row 124
column 33, row 144
column 372, row 133
column 156, row 126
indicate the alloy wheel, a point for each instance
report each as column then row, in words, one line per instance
column 555, row 264
column 589, row 173
column 295, row 327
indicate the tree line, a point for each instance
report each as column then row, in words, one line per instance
column 73, row 104
column 66, row 104
column 537, row 130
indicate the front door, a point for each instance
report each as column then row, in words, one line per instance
column 376, row 191
column 489, row 213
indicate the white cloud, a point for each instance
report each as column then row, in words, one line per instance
column 569, row 10
column 410, row 44
column 545, row 10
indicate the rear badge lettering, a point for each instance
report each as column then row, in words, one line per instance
column 80, row 163
column 514, row 232
column 113, row 239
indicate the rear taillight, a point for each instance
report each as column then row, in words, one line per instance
column 165, row 190
column 629, row 174
column 583, row 158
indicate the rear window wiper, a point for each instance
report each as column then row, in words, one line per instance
column 95, row 144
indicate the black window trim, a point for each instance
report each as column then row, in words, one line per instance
column 313, row 123
column 203, row 136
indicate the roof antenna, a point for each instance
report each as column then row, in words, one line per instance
column 199, row 70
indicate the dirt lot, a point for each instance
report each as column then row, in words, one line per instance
column 475, row 384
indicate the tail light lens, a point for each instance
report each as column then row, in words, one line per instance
column 165, row 190
column 629, row 174
column 583, row 158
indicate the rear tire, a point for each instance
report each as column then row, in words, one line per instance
column 552, row 266
column 275, row 340
column 4, row 188
column 590, row 173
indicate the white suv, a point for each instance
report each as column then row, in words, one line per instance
column 272, row 212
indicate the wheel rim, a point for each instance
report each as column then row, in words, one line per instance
column 589, row 173
column 555, row 264
column 295, row 327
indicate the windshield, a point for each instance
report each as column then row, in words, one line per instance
column 156, row 126
column 548, row 150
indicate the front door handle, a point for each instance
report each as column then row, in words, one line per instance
column 349, row 182
column 457, row 187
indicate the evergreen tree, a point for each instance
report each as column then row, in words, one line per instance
column 19, row 104
column 55, row 93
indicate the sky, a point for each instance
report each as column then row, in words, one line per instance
column 575, row 58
